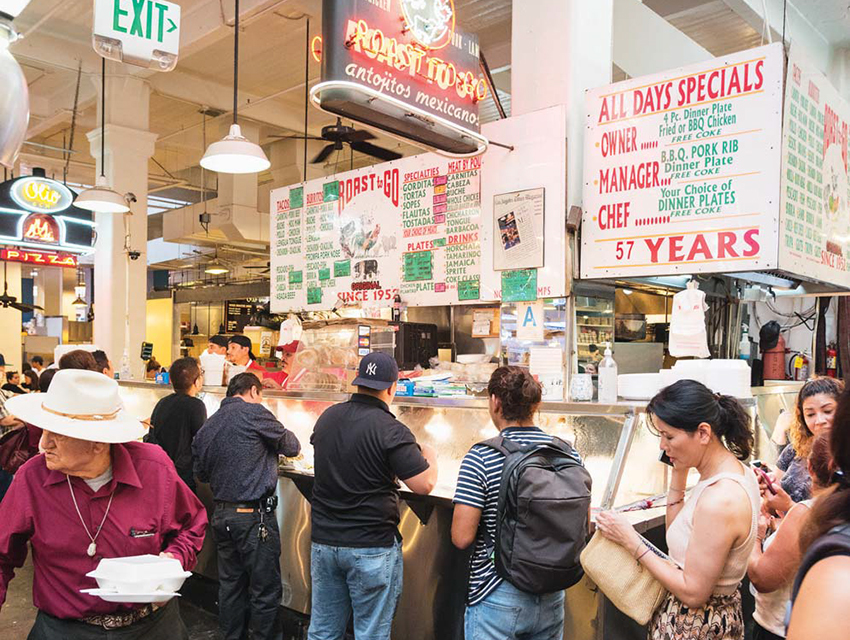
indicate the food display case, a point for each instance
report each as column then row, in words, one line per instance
column 618, row 450
column 594, row 325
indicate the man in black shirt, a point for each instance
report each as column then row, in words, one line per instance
column 361, row 450
column 13, row 384
column 178, row 417
column 236, row 451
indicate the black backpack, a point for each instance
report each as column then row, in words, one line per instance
column 541, row 528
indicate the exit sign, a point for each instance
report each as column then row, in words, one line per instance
column 141, row 32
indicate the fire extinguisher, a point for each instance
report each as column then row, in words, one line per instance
column 801, row 367
column 831, row 361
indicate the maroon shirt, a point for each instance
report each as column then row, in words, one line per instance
column 149, row 498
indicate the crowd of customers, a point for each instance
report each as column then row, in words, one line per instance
column 82, row 480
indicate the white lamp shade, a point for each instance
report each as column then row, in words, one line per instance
column 216, row 269
column 101, row 199
column 235, row 154
column 13, row 7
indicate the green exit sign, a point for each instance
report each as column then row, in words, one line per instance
column 141, row 32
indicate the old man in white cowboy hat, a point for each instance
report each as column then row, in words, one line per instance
column 94, row 493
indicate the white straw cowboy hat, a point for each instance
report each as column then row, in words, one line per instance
column 79, row 404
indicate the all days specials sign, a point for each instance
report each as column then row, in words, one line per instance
column 410, row 227
column 682, row 169
column 815, row 222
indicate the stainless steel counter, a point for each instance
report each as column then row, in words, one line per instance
column 619, row 452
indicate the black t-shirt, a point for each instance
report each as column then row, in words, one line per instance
column 174, row 422
column 360, row 451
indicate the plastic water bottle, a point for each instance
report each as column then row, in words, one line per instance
column 607, row 377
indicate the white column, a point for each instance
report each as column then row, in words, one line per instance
column 120, row 284
column 559, row 50
column 10, row 320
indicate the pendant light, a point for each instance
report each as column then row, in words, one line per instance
column 215, row 267
column 235, row 153
column 101, row 198
column 80, row 290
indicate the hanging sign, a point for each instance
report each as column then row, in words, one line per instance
column 40, row 227
column 682, row 169
column 403, row 66
column 145, row 33
column 814, row 238
column 46, row 258
column 410, row 227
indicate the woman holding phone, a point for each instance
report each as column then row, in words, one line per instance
column 814, row 413
column 711, row 534
column 776, row 555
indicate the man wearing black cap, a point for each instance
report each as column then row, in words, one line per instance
column 361, row 450
column 240, row 358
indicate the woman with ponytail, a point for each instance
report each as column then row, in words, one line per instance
column 711, row 534
column 821, row 593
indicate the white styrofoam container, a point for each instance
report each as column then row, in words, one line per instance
column 139, row 574
column 638, row 386
column 729, row 377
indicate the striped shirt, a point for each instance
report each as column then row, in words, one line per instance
column 478, row 486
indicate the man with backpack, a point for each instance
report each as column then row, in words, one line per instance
column 523, row 499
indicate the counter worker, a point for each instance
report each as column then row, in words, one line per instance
column 278, row 379
column 213, row 361
column 360, row 452
column 177, row 418
column 240, row 358
column 94, row 493
column 237, row 451
column 37, row 363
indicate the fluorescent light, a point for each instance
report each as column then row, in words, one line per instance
column 235, row 154
column 101, row 199
column 216, row 269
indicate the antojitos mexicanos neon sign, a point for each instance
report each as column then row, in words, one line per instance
column 416, row 61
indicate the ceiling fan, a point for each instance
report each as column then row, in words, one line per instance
column 338, row 135
column 7, row 301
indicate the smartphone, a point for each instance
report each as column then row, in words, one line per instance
column 665, row 458
column 761, row 465
column 760, row 472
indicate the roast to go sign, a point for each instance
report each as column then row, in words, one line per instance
column 141, row 32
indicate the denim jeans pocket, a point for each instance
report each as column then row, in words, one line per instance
column 374, row 567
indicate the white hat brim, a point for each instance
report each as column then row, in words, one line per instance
column 122, row 428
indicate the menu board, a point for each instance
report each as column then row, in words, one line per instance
column 236, row 315
column 815, row 214
column 409, row 227
column 682, row 170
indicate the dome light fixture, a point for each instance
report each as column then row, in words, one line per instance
column 235, row 153
column 216, row 268
column 101, row 198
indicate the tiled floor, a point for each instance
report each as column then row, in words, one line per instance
column 18, row 614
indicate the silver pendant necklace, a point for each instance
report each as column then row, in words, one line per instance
column 93, row 546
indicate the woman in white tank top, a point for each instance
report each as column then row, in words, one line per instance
column 711, row 533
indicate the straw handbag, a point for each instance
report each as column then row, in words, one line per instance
column 623, row 580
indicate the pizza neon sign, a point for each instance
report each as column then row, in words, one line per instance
column 41, row 194
column 47, row 258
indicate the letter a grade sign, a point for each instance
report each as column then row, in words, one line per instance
column 145, row 33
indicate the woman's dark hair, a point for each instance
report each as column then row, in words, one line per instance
column 153, row 365
column 820, row 460
column 32, row 380
column 687, row 403
column 517, row 390
column 242, row 383
column 833, row 507
column 79, row 359
column 800, row 435
column 45, row 378
column 183, row 373
column 25, row 366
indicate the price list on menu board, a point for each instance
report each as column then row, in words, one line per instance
column 682, row 171
column 410, row 227
column 815, row 178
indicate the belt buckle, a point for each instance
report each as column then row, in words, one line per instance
column 109, row 621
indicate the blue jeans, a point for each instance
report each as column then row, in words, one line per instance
column 508, row 613
column 366, row 581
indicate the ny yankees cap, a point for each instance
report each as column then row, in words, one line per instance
column 377, row 371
